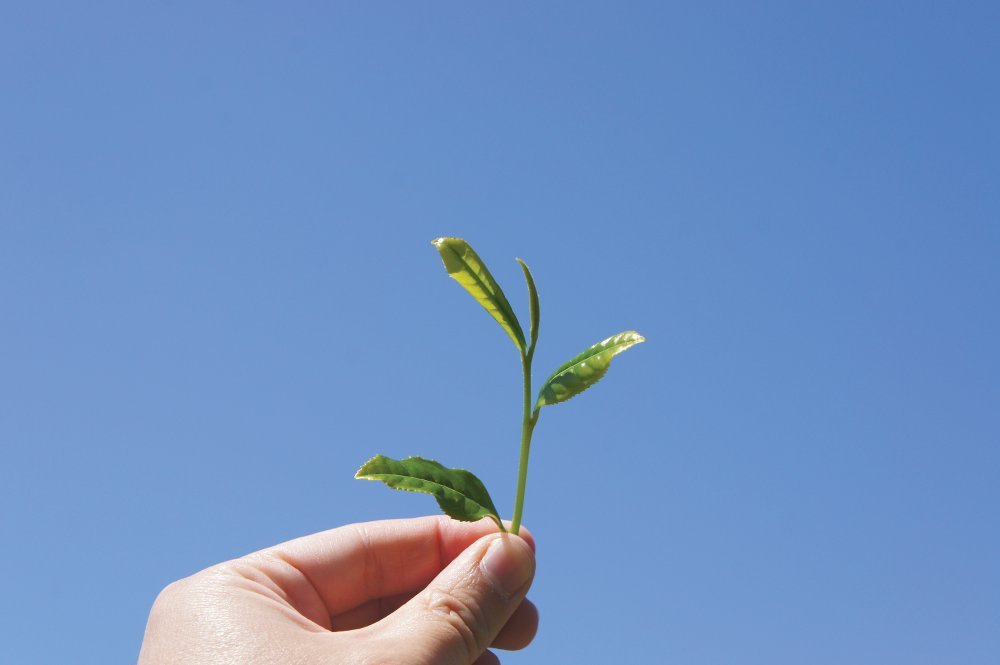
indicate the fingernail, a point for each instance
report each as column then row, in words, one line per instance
column 508, row 564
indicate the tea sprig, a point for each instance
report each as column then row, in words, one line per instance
column 459, row 493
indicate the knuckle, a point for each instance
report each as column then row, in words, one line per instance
column 461, row 618
column 169, row 594
column 179, row 593
column 168, row 602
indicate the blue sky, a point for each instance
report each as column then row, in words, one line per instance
column 219, row 298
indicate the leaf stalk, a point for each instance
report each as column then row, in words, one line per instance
column 528, row 420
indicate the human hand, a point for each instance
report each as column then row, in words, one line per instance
column 425, row 591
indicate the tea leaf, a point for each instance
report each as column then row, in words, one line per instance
column 466, row 268
column 532, row 303
column 586, row 369
column 458, row 492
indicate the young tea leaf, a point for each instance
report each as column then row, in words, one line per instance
column 586, row 369
column 532, row 303
column 466, row 268
column 459, row 493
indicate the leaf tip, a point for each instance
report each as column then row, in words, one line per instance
column 631, row 336
column 441, row 242
column 362, row 473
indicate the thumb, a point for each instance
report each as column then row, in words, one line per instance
column 460, row 613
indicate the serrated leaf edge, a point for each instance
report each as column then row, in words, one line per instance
column 493, row 514
column 570, row 364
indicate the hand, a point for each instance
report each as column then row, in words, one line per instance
column 425, row 591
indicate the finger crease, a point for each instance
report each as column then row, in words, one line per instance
column 317, row 596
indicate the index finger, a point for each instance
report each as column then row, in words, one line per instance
column 354, row 564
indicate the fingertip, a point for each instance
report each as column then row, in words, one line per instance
column 523, row 533
column 526, row 536
column 520, row 629
column 508, row 564
column 488, row 658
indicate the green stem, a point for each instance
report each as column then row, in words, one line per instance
column 527, row 427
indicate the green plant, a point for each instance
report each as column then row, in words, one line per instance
column 458, row 492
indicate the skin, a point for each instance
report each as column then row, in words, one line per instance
column 425, row 591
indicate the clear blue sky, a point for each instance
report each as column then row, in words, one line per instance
column 218, row 298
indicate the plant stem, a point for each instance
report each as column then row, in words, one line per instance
column 527, row 427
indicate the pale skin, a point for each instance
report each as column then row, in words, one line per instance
column 424, row 591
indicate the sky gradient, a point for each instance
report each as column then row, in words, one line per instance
column 219, row 297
